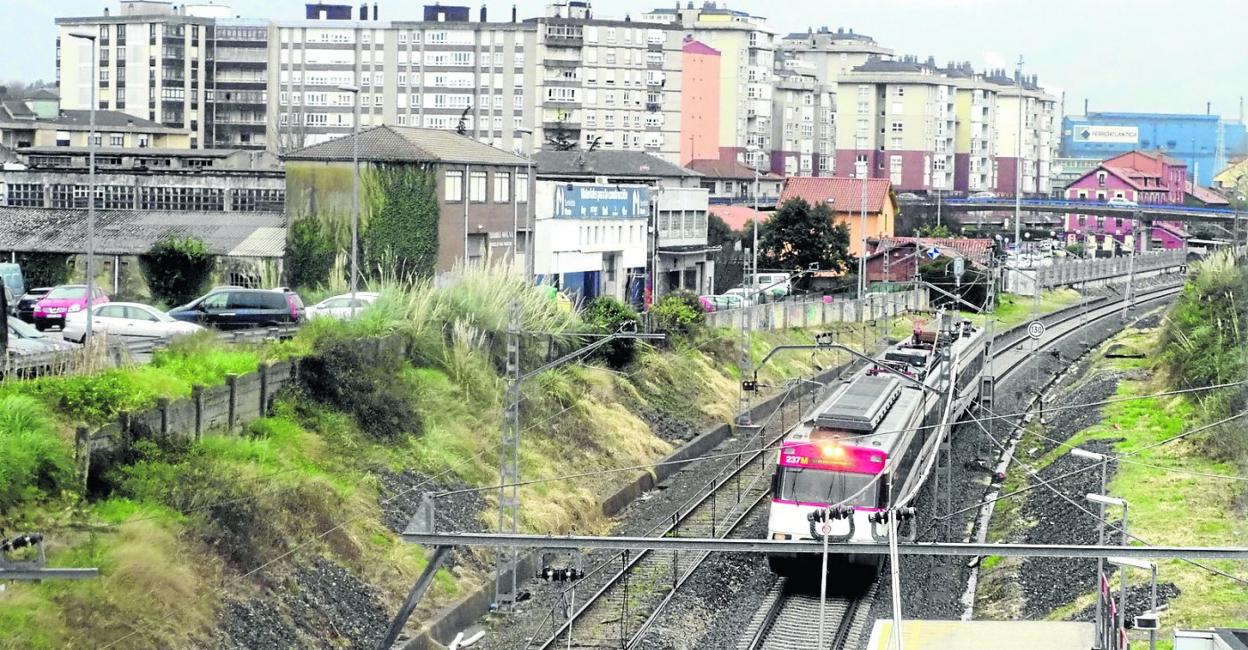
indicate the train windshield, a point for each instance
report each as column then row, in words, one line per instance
column 822, row 487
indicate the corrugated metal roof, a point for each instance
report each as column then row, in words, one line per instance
column 131, row 232
column 728, row 169
column 408, row 144
column 845, row 193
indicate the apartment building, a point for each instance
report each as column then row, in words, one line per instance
column 747, row 57
column 699, row 116
column 1041, row 117
column 606, row 84
column 803, row 132
column 831, row 54
column 975, row 145
column 237, row 86
column 897, row 117
column 148, row 61
column 438, row 73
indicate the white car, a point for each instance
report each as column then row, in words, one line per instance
column 340, row 306
column 983, row 195
column 129, row 319
column 1121, row 202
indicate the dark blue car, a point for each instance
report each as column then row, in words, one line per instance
column 238, row 308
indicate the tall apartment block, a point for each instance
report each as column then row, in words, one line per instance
column 1041, row 117
column 897, row 116
column 436, row 73
column 188, row 67
column 803, row 121
column 975, row 146
column 831, row 54
column 747, row 58
column 607, row 84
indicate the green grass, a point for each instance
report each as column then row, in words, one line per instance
column 1015, row 310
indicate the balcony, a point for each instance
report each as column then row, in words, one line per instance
column 555, row 125
column 562, row 63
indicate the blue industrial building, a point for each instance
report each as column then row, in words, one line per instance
column 1194, row 139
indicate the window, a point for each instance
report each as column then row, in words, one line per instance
column 1100, row 178
column 116, row 140
column 476, row 187
column 897, row 127
column 502, row 187
column 454, row 186
column 522, row 188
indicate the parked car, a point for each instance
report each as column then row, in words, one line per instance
column 236, row 308
column 1121, row 202
column 983, row 195
column 25, row 308
column 11, row 278
column 340, row 306
column 744, row 294
column 720, row 302
column 908, row 196
column 35, row 340
column 128, row 319
column 61, row 301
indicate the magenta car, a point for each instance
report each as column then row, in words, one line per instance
column 65, row 299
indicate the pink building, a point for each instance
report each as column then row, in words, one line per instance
column 699, row 101
column 1144, row 178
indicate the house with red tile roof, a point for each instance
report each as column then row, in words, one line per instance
column 894, row 259
column 846, row 197
column 731, row 181
column 736, row 216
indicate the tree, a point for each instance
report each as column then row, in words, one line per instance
column 728, row 271
column 177, row 270
column 940, row 231
column 797, row 236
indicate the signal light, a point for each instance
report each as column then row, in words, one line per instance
column 551, row 574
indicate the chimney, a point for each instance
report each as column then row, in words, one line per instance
column 483, row 13
column 1085, row 106
column 106, row 11
column 364, row 11
column 376, row 14
column 1208, row 108
column 513, row 13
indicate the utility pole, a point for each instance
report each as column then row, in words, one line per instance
column 1018, row 165
column 1135, row 243
column 862, row 252
column 509, row 456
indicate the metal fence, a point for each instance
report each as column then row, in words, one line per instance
column 813, row 313
column 1024, row 281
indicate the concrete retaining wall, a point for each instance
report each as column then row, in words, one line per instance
column 783, row 315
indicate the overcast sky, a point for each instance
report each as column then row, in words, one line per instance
column 1129, row 55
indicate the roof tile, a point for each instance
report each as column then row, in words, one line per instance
column 408, row 144
column 845, row 193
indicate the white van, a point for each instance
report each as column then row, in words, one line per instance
column 777, row 284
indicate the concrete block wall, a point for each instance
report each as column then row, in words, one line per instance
column 211, row 410
column 816, row 313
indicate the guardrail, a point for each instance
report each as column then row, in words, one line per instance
column 117, row 353
column 1083, row 206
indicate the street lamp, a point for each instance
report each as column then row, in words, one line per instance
column 1103, row 500
column 1100, row 540
column 1018, row 161
column 90, row 191
column 1123, row 564
column 530, row 243
column 355, row 193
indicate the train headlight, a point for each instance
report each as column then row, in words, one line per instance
column 781, row 536
column 834, row 452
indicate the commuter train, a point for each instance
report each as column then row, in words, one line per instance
column 858, row 449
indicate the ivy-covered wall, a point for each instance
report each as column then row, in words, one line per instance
column 398, row 222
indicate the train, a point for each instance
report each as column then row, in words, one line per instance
column 858, row 450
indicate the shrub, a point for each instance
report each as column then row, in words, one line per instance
column 34, row 461
column 678, row 311
column 607, row 315
column 45, row 269
column 177, row 270
column 367, row 385
column 309, row 253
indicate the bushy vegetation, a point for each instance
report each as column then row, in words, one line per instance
column 1205, row 343
column 798, row 236
column 608, row 316
column 34, row 460
column 367, row 384
column 309, row 254
column 45, row 269
column 678, row 312
column 402, row 233
column 177, row 269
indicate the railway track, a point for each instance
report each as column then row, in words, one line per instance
column 628, row 591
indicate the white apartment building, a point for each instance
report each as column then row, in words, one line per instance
column 803, row 122
column 437, row 73
column 606, row 84
column 831, row 54
column 747, row 47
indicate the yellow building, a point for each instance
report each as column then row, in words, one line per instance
column 37, row 122
column 1232, row 177
column 845, row 196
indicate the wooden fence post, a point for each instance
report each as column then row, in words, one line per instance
column 263, row 369
column 82, row 454
column 162, row 404
column 232, row 381
column 197, row 397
